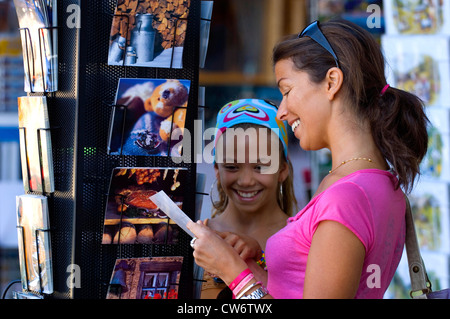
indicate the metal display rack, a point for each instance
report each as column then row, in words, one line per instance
column 82, row 167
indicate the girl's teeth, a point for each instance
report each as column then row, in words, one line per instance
column 247, row 195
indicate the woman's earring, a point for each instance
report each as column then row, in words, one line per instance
column 211, row 191
column 280, row 193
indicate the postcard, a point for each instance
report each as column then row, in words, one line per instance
column 417, row 17
column 145, row 278
column 420, row 65
column 130, row 216
column 38, row 22
column 205, row 24
column 35, row 144
column 25, row 295
column 149, row 33
column 436, row 163
column 148, row 118
column 35, row 257
column 430, row 206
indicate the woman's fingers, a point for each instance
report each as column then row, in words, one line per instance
column 196, row 228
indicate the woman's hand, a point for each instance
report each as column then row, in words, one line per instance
column 214, row 254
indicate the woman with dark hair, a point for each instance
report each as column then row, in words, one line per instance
column 347, row 242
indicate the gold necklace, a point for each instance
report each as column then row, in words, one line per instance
column 352, row 159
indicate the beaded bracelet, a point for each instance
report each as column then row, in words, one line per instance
column 262, row 260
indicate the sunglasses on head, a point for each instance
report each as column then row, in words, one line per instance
column 313, row 31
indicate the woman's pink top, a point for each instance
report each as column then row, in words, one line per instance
column 367, row 203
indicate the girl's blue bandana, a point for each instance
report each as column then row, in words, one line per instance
column 251, row 111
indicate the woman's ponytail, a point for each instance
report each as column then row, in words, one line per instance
column 399, row 128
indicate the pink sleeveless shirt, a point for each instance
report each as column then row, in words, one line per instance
column 365, row 202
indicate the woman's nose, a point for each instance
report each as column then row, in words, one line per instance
column 282, row 111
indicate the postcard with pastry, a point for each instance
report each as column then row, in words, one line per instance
column 130, row 216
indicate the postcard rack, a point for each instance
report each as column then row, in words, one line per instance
column 25, row 281
column 27, row 40
column 23, row 130
column 81, row 164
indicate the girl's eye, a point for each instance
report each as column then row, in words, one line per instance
column 230, row 167
column 258, row 168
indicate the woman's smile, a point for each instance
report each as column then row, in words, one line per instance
column 295, row 125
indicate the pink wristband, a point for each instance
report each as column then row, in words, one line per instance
column 239, row 278
column 242, row 284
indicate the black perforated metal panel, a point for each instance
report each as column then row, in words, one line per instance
column 79, row 114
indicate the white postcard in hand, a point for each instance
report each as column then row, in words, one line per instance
column 172, row 210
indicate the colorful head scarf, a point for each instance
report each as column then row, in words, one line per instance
column 254, row 111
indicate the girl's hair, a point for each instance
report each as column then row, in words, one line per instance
column 397, row 119
column 285, row 197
